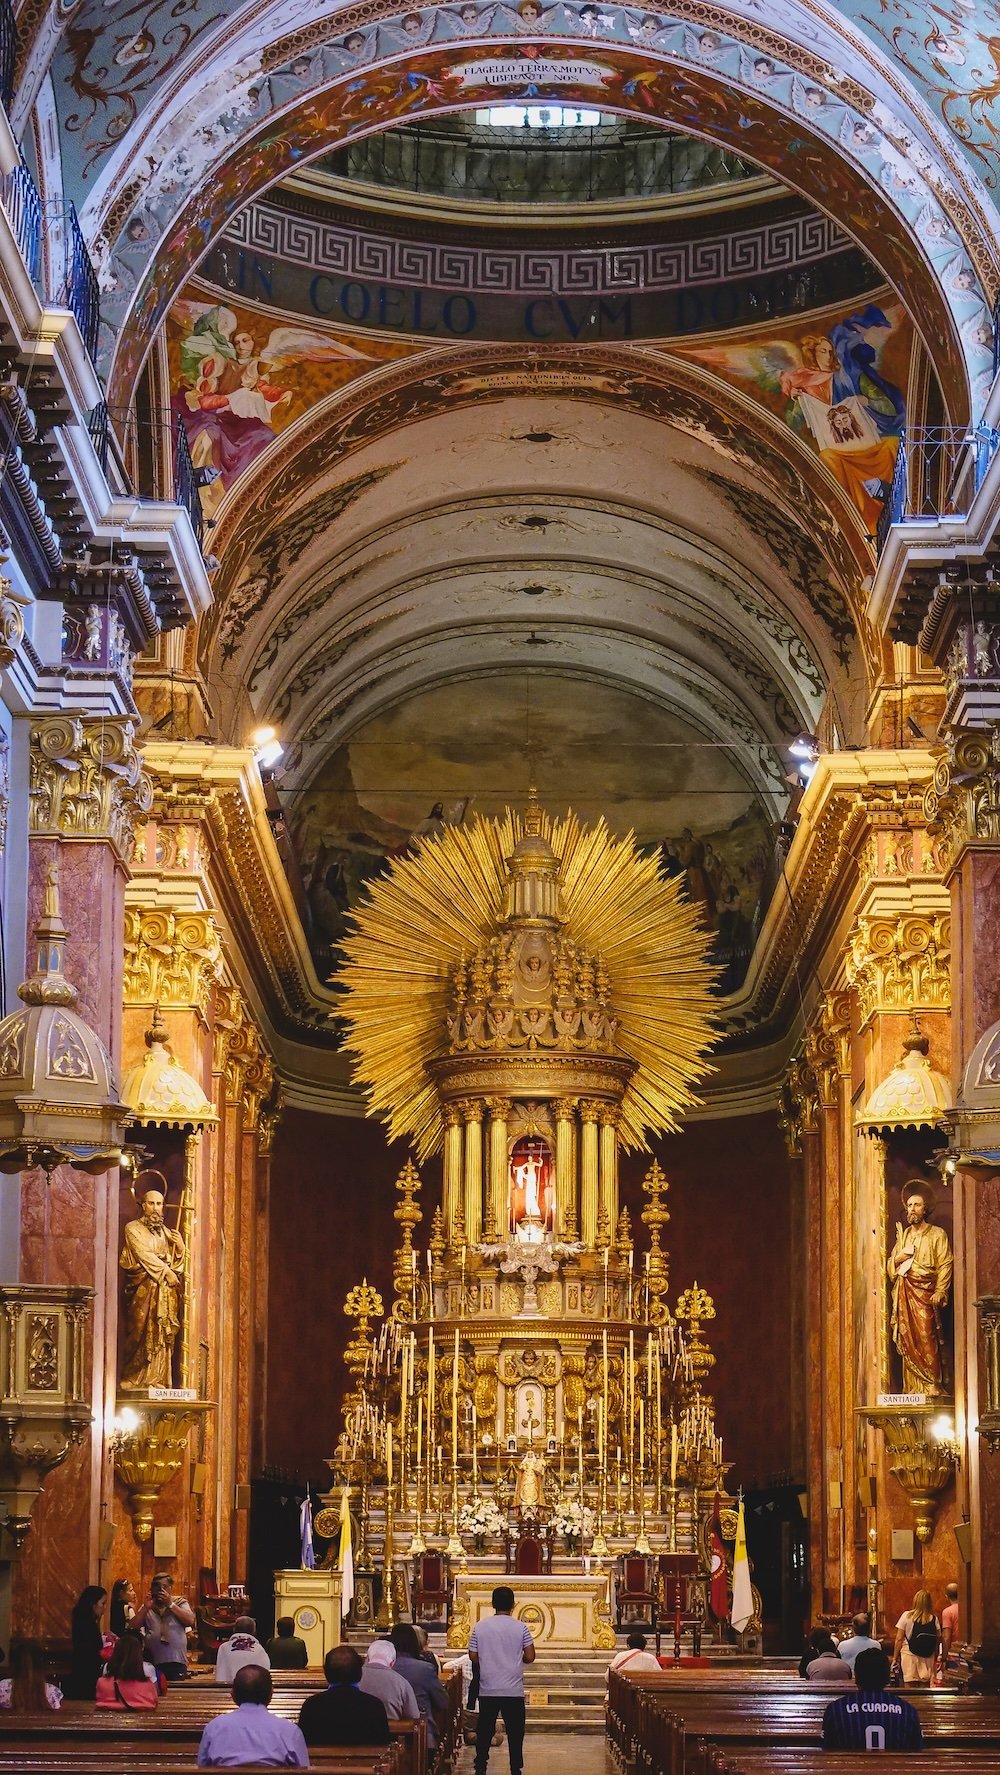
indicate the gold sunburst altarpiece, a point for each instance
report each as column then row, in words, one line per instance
column 440, row 903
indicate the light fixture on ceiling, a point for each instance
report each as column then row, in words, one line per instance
column 804, row 753
column 267, row 749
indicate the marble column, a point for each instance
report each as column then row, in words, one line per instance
column 567, row 1224
column 87, row 790
column 452, row 1189
column 589, row 1170
column 498, row 1204
column 609, row 1166
column 473, row 1117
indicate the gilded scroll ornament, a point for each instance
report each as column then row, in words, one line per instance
column 962, row 805
column 798, row 1105
column 85, row 780
column 899, row 963
column 171, row 959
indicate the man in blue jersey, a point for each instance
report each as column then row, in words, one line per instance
column 871, row 1718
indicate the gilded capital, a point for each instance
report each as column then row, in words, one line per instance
column 828, row 1046
column 170, row 959
column 564, row 1109
column 901, row 962
column 472, row 1110
column 11, row 623
column 590, row 1110
column 798, row 1104
column 86, row 780
column 962, row 805
column 499, row 1107
column 451, row 1115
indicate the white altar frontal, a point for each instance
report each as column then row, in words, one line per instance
column 560, row 1611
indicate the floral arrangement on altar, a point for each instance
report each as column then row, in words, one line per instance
column 480, row 1517
column 573, row 1519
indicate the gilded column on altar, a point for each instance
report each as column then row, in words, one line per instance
column 608, row 1197
column 472, row 1114
column 564, row 1110
column 496, row 1212
column 589, row 1170
column 452, row 1190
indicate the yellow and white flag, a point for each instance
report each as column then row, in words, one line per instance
column 741, row 1613
column 346, row 1556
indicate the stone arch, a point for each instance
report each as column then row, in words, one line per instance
column 866, row 153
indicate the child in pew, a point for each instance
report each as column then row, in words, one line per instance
column 25, row 1690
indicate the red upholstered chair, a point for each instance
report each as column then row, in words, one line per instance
column 431, row 1591
column 214, row 1613
column 682, row 1591
column 529, row 1552
column 635, row 1591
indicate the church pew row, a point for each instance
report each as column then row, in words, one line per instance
column 653, row 1732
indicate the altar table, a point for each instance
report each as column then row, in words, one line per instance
column 561, row 1611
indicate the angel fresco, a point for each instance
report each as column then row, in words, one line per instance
column 836, row 394
column 230, row 391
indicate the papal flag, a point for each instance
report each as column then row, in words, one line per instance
column 742, row 1609
column 306, row 1532
column 346, row 1556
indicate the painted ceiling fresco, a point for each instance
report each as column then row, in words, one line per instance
column 823, row 130
column 239, row 378
column 113, row 61
column 839, row 383
column 471, row 746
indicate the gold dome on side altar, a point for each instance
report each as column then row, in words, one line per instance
column 913, row 1095
column 159, row 1091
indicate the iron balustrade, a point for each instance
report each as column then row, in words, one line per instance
column 500, row 165
column 186, row 483
column 996, row 335
column 54, row 251
column 8, row 53
column 939, row 470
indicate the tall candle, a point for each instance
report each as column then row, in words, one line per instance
column 579, row 1447
column 454, row 1406
column 430, row 1384
column 605, row 1344
column 631, row 1377
column 475, row 1451
column 388, row 1454
column 420, row 1428
column 673, row 1454
column 605, row 1281
column 642, row 1434
column 631, row 1257
column 461, row 1303
column 430, row 1284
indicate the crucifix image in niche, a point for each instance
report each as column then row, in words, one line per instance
column 530, row 1418
column 532, row 1197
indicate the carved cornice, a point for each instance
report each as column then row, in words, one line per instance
column 901, row 963
column 962, row 804
column 170, row 959
column 86, row 780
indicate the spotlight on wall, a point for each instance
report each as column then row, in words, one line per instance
column 267, row 749
column 804, row 754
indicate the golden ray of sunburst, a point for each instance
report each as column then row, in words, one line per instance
column 448, row 896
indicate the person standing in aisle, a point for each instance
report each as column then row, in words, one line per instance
column 500, row 1647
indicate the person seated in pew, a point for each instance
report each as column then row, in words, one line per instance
column 821, row 1662
column 242, row 1647
column 286, row 1650
column 432, row 1696
column 871, row 1719
column 635, row 1657
column 126, row 1686
column 251, row 1734
column 860, row 1640
column 25, row 1690
column 343, row 1713
column 378, row 1678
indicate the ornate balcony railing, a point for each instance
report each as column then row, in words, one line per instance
column 516, row 166
column 54, row 251
column 8, row 53
column 939, row 471
column 186, row 483
column 996, row 335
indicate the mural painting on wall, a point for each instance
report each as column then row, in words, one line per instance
column 452, row 752
column 839, row 384
column 239, row 377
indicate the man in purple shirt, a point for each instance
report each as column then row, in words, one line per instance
column 250, row 1734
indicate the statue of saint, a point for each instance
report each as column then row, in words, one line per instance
column 920, row 1266
column 152, row 1263
column 529, row 1493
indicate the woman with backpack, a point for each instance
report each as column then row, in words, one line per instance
column 918, row 1640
